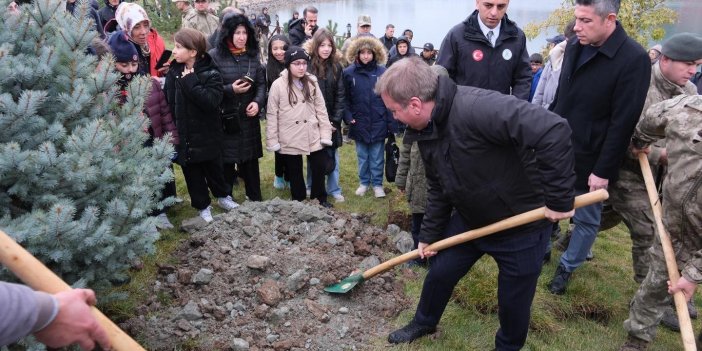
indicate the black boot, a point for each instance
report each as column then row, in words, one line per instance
column 409, row 333
column 560, row 281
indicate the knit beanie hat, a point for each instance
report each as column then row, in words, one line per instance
column 295, row 53
column 128, row 15
column 683, row 47
column 123, row 49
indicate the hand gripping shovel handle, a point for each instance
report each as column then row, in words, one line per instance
column 686, row 332
column 33, row 273
column 507, row 223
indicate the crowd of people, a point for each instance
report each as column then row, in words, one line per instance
column 490, row 131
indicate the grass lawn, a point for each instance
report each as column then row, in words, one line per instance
column 588, row 317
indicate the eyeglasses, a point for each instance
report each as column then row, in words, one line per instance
column 299, row 64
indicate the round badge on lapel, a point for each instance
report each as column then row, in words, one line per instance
column 478, row 55
column 507, row 54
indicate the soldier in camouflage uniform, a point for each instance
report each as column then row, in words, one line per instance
column 412, row 180
column 201, row 18
column 679, row 120
column 669, row 78
column 185, row 10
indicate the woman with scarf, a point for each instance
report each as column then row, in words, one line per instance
column 237, row 57
column 134, row 21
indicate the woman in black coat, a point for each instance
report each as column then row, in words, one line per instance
column 244, row 83
column 194, row 91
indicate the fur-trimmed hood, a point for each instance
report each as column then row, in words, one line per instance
column 227, row 29
column 368, row 42
column 338, row 58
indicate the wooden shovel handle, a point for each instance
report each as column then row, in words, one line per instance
column 507, row 223
column 33, row 273
column 686, row 332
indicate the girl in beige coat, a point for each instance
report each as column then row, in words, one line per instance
column 298, row 124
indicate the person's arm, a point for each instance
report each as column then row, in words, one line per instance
column 320, row 108
column 403, row 166
column 55, row 320
column 522, row 76
column 627, row 104
column 541, row 86
column 438, row 209
column 348, row 115
column 651, row 127
column 447, row 56
column 530, row 127
column 272, row 110
column 337, row 115
column 207, row 94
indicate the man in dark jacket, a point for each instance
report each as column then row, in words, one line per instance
column 303, row 29
column 488, row 51
column 389, row 39
column 107, row 12
column 472, row 141
column 601, row 92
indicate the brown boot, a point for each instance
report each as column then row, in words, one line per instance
column 634, row 344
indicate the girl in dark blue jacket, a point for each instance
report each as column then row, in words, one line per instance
column 365, row 112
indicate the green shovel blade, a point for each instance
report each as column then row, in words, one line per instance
column 345, row 284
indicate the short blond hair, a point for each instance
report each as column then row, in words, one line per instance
column 408, row 78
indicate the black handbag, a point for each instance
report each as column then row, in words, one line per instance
column 392, row 159
column 230, row 122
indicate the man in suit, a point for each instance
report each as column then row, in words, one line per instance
column 488, row 51
column 601, row 92
column 472, row 143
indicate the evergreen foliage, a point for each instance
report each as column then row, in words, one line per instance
column 77, row 184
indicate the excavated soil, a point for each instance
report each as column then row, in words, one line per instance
column 253, row 279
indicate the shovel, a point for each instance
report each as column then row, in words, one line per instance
column 527, row 217
column 33, row 273
column 686, row 332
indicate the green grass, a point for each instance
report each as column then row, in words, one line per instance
column 588, row 317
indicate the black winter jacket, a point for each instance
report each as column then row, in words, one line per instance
column 471, row 60
column 296, row 32
column 246, row 144
column 194, row 101
column 602, row 101
column 472, row 153
column 374, row 122
column 334, row 93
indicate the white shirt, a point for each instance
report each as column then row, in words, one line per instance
column 485, row 29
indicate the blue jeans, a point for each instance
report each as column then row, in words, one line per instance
column 587, row 224
column 370, row 163
column 333, row 187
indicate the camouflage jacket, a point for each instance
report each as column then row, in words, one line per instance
column 205, row 22
column 411, row 176
column 679, row 121
column 630, row 180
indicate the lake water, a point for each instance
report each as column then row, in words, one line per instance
column 430, row 20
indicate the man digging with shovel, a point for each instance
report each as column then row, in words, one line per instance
column 488, row 156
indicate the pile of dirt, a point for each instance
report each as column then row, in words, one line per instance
column 253, row 280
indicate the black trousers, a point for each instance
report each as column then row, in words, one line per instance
column 279, row 167
column 248, row 171
column 519, row 259
column 293, row 169
column 201, row 176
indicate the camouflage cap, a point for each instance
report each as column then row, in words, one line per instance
column 364, row 20
column 683, row 47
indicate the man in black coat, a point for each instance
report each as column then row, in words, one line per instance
column 472, row 141
column 488, row 51
column 303, row 29
column 601, row 92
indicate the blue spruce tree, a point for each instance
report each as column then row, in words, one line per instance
column 76, row 183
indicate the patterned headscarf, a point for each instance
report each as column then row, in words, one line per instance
column 128, row 14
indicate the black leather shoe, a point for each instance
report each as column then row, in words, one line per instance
column 560, row 281
column 326, row 204
column 409, row 333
